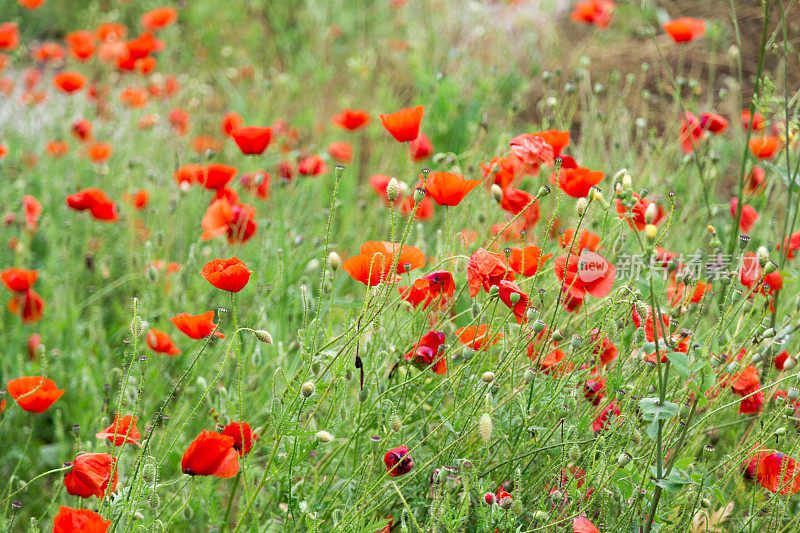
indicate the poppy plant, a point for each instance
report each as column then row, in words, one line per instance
column 429, row 350
column 398, row 461
column 81, row 44
column 69, row 81
column 99, row 152
column 312, row 166
column 70, row 520
column 29, row 305
column 196, row 326
column 234, row 219
column 446, row 188
column 243, row 436
column 229, row 275
column 404, row 125
column 441, row 283
column 252, row 140
column 351, row 119
column 486, row 269
column 680, row 293
column 747, row 385
column 160, row 342
column 122, row 431
column 34, row 394
column 211, row 454
column 685, row 29
column 420, row 148
column 748, row 118
column 341, row 151
column 91, row 475
column 576, row 182
column 96, row 202
column 587, row 240
column 601, row 421
column 583, row 525
column 9, row 36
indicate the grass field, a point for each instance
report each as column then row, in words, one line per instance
column 399, row 265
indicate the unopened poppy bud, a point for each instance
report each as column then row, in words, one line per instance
column 597, row 194
column 334, row 261
column 575, row 342
column 624, row 459
column 540, row 515
column 770, row 267
column 580, row 206
column 468, row 353
column 375, row 441
column 419, row 194
column 574, row 453
column 494, row 290
column 395, row 424
column 793, row 393
column 76, row 430
column 762, row 254
column 557, row 336
column 780, row 431
column 487, row 377
column 307, row 389
column 363, row 394
column 789, row 364
column 517, row 508
column 636, row 436
column 514, row 297
column 485, row 427
column 544, row 190
column 528, row 376
column 263, row 336
column 708, row 450
column 650, row 231
column 323, row 436
column 392, row 189
column 539, row 326
column 768, row 333
column 640, row 335
column 627, row 182
column 705, row 503
column 650, row 213
column 497, row 193
column 506, row 503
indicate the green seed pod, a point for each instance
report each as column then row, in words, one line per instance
column 363, row 395
column 528, row 376
column 539, row 326
column 307, row 389
column 574, row 453
column 624, row 459
column 557, row 336
column 394, row 423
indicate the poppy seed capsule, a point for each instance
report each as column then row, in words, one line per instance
column 624, row 459
column 770, row 267
column 419, row 195
column 487, row 377
column 528, row 376
column 392, row 189
column 263, row 336
column 334, row 261
column 307, row 389
column 497, row 193
column 323, row 436
column 539, row 326
column 544, row 190
column 506, row 503
column 514, row 297
column 557, row 336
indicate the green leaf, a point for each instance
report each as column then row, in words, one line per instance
column 680, row 362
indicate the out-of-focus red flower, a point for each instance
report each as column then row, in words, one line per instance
column 745, row 384
column 81, row 44
column 82, row 129
column 420, row 148
column 790, row 244
column 583, row 525
column 341, row 151
column 312, row 166
column 692, row 132
column 99, row 152
column 96, row 201
column 160, row 342
column 601, row 421
column 576, row 182
column 231, row 121
column 478, row 337
column 9, row 36
column 756, row 118
column 34, row 394
column 58, row 148
column 595, row 12
column 526, row 261
column 764, row 147
column 159, row 18
column 69, row 81
column 19, row 279
column 31, row 5
column 252, row 140
column 532, row 149
column 685, row 29
column 714, row 123
column 404, row 125
column 635, row 216
column 748, row 218
column 211, row 454
column 515, row 298
column 678, row 293
column 351, row 119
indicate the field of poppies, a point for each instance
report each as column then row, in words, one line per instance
column 399, row 266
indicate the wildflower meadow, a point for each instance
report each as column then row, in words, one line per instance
column 384, row 266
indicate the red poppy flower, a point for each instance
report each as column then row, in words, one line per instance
column 79, row 521
column 160, row 342
column 34, row 345
column 188, row 174
column 351, row 119
column 507, row 290
column 420, row 148
column 440, row 282
column 553, row 363
column 635, row 216
column 96, row 201
column 29, row 305
column 748, row 218
column 81, row 44
column 790, row 244
column 716, row 124
column 757, row 119
column 141, row 199
column 312, row 166
column 745, row 384
column 595, row 12
column 764, row 147
column 122, row 431
column 587, row 240
column 159, row 18
column 692, row 132
column 403, row 125
column 196, row 326
column 9, row 36
column 373, row 264
column 69, row 81
column 82, row 129
column 603, row 347
column 48, row 52
column 33, row 209
column 424, row 209
column 235, row 220
column 648, row 323
column 34, row 394
column 685, row 29
column 57, row 148
column 532, row 149
column 256, row 183
column 341, row 151
column 754, row 181
column 31, row 5
column 576, row 182
column 478, row 337
column 398, row 461
column 506, row 170
column 227, row 274
column 19, row 279
column 211, row 454
column 588, row 272
column 243, row 436
column 517, row 201
column 678, row 292
column 99, row 152
column 217, row 176
column 776, row 476
column 486, row 269
column 583, row 525
column 286, row 170
column 429, row 351
column 230, row 122
column 448, row 189
column 91, row 475
column 594, row 390
column 601, row 421
column 252, row 140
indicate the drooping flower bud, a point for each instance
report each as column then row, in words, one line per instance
column 497, row 193
column 392, row 189
column 334, row 261
column 263, row 336
column 485, row 427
